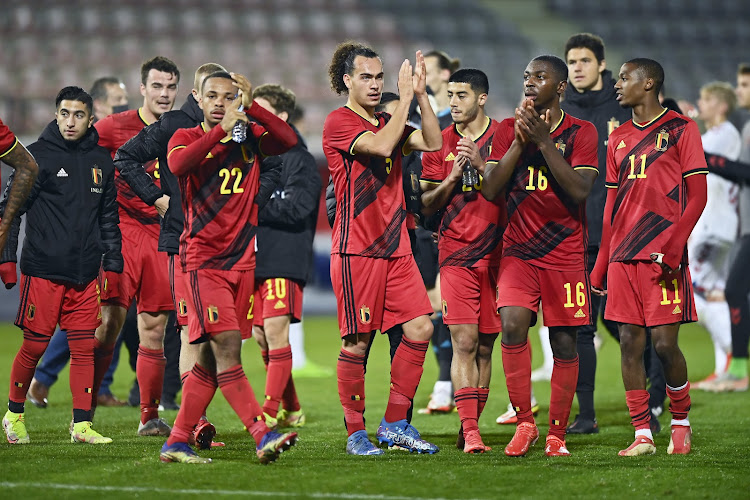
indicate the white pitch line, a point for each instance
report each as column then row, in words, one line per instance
column 141, row 489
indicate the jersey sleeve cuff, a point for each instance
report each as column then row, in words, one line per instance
column 359, row 136
column 694, row 172
column 586, row 167
column 611, row 185
column 405, row 150
column 430, row 181
column 15, row 143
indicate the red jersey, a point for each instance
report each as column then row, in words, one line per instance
column 471, row 230
column 218, row 181
column 8, row 140
column 646, row 164
column 545, row 227
column 114, row 131
column 370, row 206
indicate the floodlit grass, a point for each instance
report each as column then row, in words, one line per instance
column 318, row 467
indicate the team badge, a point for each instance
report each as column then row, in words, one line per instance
column 31, row 312
column 560, row 145
column 445, row 309
column 662, row 140
column 612, row 124
column 364, row 315
column 414, row 182
column 182, row 307
column 213, row 314
column 96, row 175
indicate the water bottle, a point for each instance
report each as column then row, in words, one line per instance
column 469, row 178
column 239, row 131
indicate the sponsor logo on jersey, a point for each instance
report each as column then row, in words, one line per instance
column 364, row 315
column 279, row 304
column 62, row 173
column 662, row 140
column 621, row 145
column 450, row 157
column 580, row 314
column 676, row 310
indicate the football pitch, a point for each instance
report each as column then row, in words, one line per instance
column 318, row 467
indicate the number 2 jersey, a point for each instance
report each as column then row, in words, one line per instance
column 370, row 206
column 114, row 131
column 647, row 164
column 471, row 229
column 545, row 227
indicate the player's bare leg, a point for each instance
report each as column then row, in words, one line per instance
column 517, row 368
column 113, row 317
column 564, row 380
column 664, row 338
column 150, row 371
column 632, row 345
column 465, row 377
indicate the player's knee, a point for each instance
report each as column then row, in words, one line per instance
column 665, row 347
column 419, row 329
column 465, row 343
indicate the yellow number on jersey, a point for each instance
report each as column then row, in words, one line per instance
column 541, row 179
column 277, row 284
column 633, row 175
column 580, row 295
column 664, row 298
column 226, row 175
column 156, row 170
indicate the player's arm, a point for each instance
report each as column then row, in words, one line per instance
column 298, row 197
column 185, row 158
column 430, row 138
column 435, row 193
column 497, row 172
column 577, row 182
column 25, row 171
column 696, row 195
column 144, row 147
column 270, row 178
column 109, row 228
column 733, row 171
column 276, row 136
column 599, row 272
column 330, row 202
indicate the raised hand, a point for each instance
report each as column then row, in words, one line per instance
column 420, row 75
column 405, row 82
column 469, row 150
column 245, row 88
column 231, row 116
column 534, row 126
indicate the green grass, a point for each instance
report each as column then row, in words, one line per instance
column 318, row 466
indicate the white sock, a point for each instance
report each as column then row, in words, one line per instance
column 684, row 423
column 297, row 341
column 677, row 388
column 644, row 433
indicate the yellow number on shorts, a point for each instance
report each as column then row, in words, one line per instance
column 279, row 284
column 580, row 295
column 250, row 309
column 664, row 299
column 633, row 175
column 226, row 175
column 541, row 181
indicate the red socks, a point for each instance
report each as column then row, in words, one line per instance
column 237, row 391
column 517, row 368
column 24, row 364
column 150, row 372
column 564, row 380
column 350, row 372
column 289, row 397
column 467, row 404
column 640, row 414
column 406, row 371
column 197, row 391
column 679, row 401
column 279, row 372
column 483, row 393
column 81, row 344
column 102, row 359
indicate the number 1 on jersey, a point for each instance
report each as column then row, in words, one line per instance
column 633, row 175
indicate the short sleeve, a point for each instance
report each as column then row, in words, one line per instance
column 690, row 147
column 8, row 140
column 502, row 140
column 342, row 129
column 612, row 180
column 105, row 128
column 432, row 167
column 584, row 154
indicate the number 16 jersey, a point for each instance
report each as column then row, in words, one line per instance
column 545, row 227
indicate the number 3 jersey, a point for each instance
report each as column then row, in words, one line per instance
column 545, row 227
column 647, row 164
column 218, row 181
column 471, row 229
column 370, row 206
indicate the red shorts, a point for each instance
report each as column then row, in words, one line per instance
column 641, row 293
column 180, row 286
column 277, row 297
column 469, row 295
column 145, row 276
column 564, row 294
column 221, row 301
column 377, row 294
column 45, row 304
